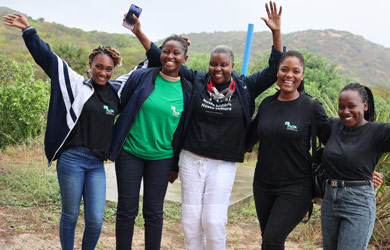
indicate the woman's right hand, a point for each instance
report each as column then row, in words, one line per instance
column 16, row 20
column 137, row 26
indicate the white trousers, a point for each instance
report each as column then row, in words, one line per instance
column 206, row 187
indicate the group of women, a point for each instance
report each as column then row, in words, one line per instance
column 174, row 118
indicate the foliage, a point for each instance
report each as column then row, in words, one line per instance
column 76, row 58
column 23, row 103
column 199, row 62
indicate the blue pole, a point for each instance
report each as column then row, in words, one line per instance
column 247, row 51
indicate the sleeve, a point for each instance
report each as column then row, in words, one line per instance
column 383, row 132
column 52, row 64
column 322, row 122
column 128, row 88
column 260, row 81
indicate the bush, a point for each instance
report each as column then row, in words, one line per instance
column 23, row 103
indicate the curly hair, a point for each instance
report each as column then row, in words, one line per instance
column 106, row 50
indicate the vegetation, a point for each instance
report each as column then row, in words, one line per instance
column 24, row 96
column 23, row 103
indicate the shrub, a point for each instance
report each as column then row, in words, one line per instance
column 23, row 103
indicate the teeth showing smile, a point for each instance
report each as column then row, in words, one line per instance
column 169, row 63
column 348, row 118
column 288, row 82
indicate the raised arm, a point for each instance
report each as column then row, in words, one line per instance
column 40, row 51
column 274, row 23
column 141, row 36
column 260, row 81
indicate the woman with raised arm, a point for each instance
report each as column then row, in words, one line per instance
column 79, row 130
column 221, row 109
column 355, row 146
column 147, row 141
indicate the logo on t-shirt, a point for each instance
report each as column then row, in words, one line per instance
column 290, row 126
column 108, row 111
column 174, row 112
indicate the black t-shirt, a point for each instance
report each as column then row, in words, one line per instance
column 217, row 129
column 93, row 129
column 284, row 131
column 353, row 154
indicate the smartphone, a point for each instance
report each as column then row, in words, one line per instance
column 129, row 22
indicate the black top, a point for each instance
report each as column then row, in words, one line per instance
column 353, row 154
column 217, row 129
column 284, row 133
column 93, row 129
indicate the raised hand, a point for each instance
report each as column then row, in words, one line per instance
column 274, row 18
column 16, row 20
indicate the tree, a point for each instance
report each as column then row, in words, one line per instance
column 23, row 103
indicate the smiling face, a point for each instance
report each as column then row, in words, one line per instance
column 172, row 57
column 290, row 75
column 102, row 68
column 220, row 68
column 351, row 109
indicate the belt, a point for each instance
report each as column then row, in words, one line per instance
column 339, row 183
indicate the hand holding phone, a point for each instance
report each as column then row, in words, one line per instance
column 129, row 21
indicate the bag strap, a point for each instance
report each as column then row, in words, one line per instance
column 313, row 132
column 313, row 147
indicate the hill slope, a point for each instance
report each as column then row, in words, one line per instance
column 357, row 57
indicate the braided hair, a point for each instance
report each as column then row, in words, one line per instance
column 106, row 50
column 367, row 96
column 178, row 39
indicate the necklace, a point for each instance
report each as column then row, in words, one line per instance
column 224, row 95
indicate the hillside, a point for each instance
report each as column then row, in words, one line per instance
column 12, row 44
column 357, row 57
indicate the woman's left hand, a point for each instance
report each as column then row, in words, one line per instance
column 173, row 176
column 377, row 178
column 274, row 18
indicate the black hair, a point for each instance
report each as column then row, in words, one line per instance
column 294, row 53
column 178, row 39
column 367, row 96
column 223, row 49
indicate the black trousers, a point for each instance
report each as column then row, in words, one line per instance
column 279, row 210
column 130, row 171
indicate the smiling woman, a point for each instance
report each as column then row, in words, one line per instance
column 350, row 157
column 147, row 140
column 282, row 182
column 79, row 130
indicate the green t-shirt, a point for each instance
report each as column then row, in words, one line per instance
column 151, row 134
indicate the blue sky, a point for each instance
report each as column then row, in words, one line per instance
column 161, row 18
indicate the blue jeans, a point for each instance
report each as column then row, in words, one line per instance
column 348, row 217
column 130, row 170
column 81, row 174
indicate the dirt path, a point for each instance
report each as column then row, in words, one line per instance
column 20, row 230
